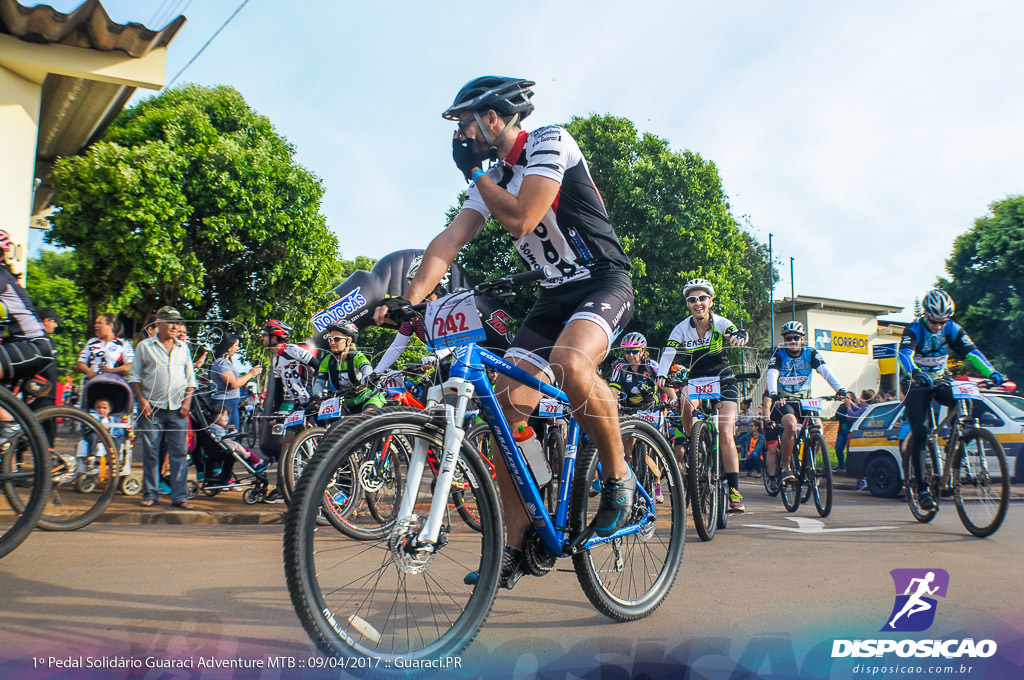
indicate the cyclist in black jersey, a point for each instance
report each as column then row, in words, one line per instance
column 635, row 378
column 25, row 350
column 538, row 186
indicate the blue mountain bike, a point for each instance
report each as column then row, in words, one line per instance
column 404, row 595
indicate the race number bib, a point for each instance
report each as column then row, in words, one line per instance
column 453, row 320
column 652, row 417
column 294, row 418
column 810, row 405
column 329, row 409
column 704, row 388
column 963, row 389
column 393, row 383
column 549, row 408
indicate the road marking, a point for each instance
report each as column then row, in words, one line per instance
column 807, row 525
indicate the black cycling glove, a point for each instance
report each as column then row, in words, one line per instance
column 466, row 157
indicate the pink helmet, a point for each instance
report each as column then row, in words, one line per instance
column 633, row 341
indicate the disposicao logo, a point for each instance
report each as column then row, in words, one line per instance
column 914, row 610
column 916, row 590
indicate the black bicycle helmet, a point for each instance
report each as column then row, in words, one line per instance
column 507, row 96
column 345, row 327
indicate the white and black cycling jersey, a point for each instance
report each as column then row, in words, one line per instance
column 288, row 370
column 701, row 356
column 575, row 235
column 114, row 353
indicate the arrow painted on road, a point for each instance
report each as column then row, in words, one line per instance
column 807, row 525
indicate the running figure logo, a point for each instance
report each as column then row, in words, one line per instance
column 914, row 609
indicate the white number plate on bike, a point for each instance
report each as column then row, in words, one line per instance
column 963, row 389
column 549, row 408
column 810, row 405
column 652, row 417
column 295, row 418
column 330, row 408
column 704, row 388
column 393, row 383
column 453, row 320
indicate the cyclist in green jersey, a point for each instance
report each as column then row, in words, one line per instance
column 345, row 367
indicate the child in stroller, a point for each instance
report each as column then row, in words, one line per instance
column 109, row 399
column 216, row 453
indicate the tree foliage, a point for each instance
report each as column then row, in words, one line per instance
column 672, row 215
column 192, row 199
column 51, row 282
column 986, row 280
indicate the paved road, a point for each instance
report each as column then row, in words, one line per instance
column 769, row 594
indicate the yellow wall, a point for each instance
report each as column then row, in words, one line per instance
column 19, row 120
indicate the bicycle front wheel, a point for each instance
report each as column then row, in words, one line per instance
column 822, row 478
column 85, row 472
column 790, row 491
column 627, row 578
column 981, row 482
column 295, row 461
column 392, row 596
column 928, row 457
column 701, row 476
column 24, row 471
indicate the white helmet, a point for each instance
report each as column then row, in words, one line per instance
column 698, row 284
column 792, row 327
column 938, row 305
column 442, row 286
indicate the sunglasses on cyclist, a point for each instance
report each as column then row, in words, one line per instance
column 697, row 298
column 792, row 338
column 336, row 338
column 935, row 322
column 631, row 351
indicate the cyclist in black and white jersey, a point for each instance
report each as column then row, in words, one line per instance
column 287, row 360
column 538, row 186
column 701, row 339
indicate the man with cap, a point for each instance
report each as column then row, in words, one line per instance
column 50, row 319
column 163, row 378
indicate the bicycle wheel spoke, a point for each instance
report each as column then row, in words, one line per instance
column 980, row 482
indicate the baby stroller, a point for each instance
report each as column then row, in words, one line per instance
column 215, row 461
column 116, row 391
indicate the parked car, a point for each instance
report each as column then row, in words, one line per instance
column 873, row 449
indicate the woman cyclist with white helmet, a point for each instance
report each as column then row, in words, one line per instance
column 701, row 338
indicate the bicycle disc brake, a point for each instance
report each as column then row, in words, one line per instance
column 410, row 556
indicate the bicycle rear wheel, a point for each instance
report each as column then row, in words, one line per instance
column 24, row 471
column 701, row 477
column 391, row 597
column 771, row 482
column 981, row 482
column 722, row 516
column 822, row 478
column 627, row 578
column 929, row 458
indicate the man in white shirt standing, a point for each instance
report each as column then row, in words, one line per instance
column 162, row 378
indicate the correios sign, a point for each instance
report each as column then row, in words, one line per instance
column 836, row 341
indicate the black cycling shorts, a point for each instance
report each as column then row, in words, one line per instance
column 606, row 299
column 26, row 358
column 791, row 406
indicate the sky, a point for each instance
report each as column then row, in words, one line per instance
column 863, row 136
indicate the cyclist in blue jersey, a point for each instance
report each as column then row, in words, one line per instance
column 539, row 187
column 788, row 380
column 924, row 353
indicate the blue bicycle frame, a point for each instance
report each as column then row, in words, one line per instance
column 468, row 364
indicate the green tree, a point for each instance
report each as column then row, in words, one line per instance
column 986, row 279
column 193, row 199
column 673, row 217
column 51, row 282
